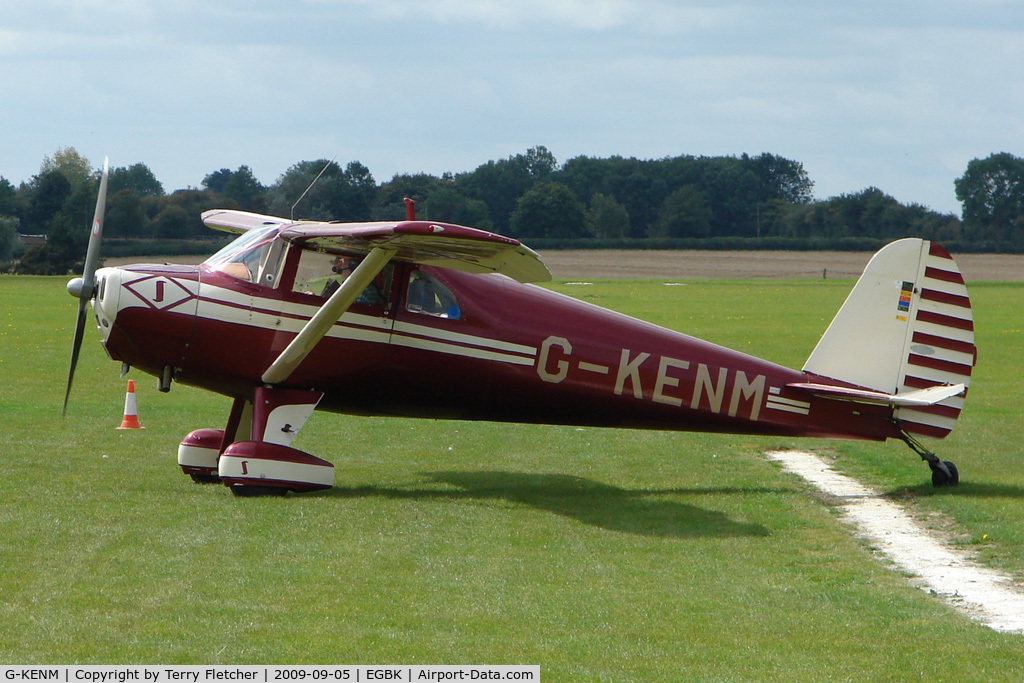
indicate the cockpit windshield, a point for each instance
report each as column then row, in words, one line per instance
column 251, row 257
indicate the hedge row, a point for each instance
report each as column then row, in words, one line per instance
column 181, row 247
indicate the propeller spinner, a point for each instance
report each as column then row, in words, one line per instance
column 83, row 288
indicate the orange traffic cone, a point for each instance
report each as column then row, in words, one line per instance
column 131, row 411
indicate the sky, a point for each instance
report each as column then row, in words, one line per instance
column 894, row 95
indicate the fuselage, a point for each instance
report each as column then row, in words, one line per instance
column 432, row 342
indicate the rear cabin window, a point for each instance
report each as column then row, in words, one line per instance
column 427, row 296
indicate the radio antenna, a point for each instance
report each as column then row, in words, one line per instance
column 291, row 215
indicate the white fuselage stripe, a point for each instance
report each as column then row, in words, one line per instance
column 223, row 305
column 453, row 349
column 424, row 331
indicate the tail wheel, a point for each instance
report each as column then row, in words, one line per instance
column 945, row 475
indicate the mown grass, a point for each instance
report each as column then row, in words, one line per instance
column 602, row 555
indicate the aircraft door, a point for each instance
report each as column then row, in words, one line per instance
column 359, row 342
column 442, row 347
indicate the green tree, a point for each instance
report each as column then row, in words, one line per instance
column 640, row 186
column 248, row 192
column 683, row 214
column 172, row 222
column 125, row 215
column 338, row 195
column 500, row 184
column 606, row 217
column 869, row 213
column 9, row 244
column 60, row 204
column 8, row 198
column 730, row 191
column 71, row 164
column 357, row 193
column 446, row 205
column 540, row 162
column 60, row 194
column 63, row 251
column 46, row 195
column 991, row 191
column 240, row 189
column 942, row 228
column 780, row 179
column 296, row 188
column 179, row 214
column 137, row 178
column 549, row 209
column 218, row 180
column 390, row 202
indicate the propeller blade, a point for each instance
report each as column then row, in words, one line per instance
column 83, row 288
column 76, row 346
column 92, row 254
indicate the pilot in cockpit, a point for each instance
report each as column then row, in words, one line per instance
column 342, row 266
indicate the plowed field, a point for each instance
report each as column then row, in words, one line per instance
column 739, row 265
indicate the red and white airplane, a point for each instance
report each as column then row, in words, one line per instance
column 416, row 318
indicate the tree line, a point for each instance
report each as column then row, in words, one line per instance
column 739, row 201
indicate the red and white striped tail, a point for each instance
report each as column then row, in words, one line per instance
column 940, row 348
column 906, row 326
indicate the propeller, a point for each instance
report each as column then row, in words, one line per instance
column 83, row 288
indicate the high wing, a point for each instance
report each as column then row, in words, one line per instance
column 433, row 244
column 376, row 244
column 238, row 221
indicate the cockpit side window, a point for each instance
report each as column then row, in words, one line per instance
column 254, row 256
column 428, row 296
column 321, row 274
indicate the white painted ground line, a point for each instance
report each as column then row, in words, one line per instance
column 984, row 594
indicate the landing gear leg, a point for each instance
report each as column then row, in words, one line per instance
column 944, row 473
column 266, row 464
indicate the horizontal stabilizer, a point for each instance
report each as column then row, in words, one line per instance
column 919, row 397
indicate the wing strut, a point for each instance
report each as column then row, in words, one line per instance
column 329, row 313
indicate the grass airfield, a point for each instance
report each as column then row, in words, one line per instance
column 601, row 555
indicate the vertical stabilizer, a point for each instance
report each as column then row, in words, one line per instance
column 907, row 325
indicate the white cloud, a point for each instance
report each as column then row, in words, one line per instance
column 655, row 16
column 898, row 96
